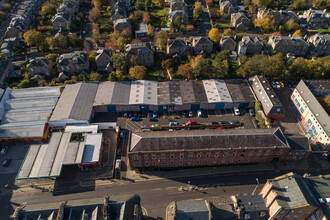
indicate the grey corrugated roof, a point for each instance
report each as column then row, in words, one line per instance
column 121, row 93
column 192, row 210
column 293, row 192
column 76, row 102
column 187, row 92
column 319, row 87
column 320, row 114
column 104, row 93
column 239, row 90
column 207, row 139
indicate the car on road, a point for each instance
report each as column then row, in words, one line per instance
column 191, row 114
column 6, row 162
column 236, row 111
column 134, row 118
column 154, row 114
column 224, row 122
column 4, row 150
column 251, row 111
column 155, row 125
column 174, row 123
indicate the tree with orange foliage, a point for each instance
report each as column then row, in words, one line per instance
column 146, row 18
column 298, row 33
column 186, row 71
column 266, row 22
column 94, row 14
column 214, row 35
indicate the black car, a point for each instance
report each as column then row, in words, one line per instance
column 6, row 162
column 214, row 123
column 235, row 123
column 224, row 122
column 153, row 119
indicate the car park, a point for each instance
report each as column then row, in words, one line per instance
column 236, row 111
column 6, row 162
column 4, row 150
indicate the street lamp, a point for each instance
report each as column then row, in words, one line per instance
column 256, row 186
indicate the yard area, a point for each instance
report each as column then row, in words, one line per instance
column 158, row 16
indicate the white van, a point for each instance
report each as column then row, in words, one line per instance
column 118, row 164
column 236, row 111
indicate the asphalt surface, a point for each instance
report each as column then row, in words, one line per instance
column 155, row 195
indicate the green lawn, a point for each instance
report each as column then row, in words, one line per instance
column 159, row 12
column 158, row 16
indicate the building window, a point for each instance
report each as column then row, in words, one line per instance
column 225, row 155
column 154, row 156
column 318, row 214
column 301, row 211
column 234, row 155
column 278, row 216
column 181, row 163
column 301, row 110
column 215, row 161
column 189, row 163
column 146, row 164
column 172, row 163
column 282, row 212
column 206, row 162
column 181, row 156
column 293, row 96
column 314, row 130
column 172, row 156
column 163, row 163
column 297, row 103
column 197, row 162
column 208, row 154
column 153, row 164
column 287, row 216
column 216, row 155
column 199, row 155
column 190, row 155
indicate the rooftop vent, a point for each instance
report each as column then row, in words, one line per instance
column 286, row 187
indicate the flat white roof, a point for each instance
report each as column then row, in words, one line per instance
column 92, row 150
column 216, row 91
column 82, row 128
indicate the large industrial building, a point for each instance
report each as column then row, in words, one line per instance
column 313, row 120
column 144, row 95
column 46, row 160
column 24, row 113
column 191, row 148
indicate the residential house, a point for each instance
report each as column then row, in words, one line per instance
column 280, row 17
column 142, row 32
column 179, row 13
column 319, row 45
column 8, row 45
column 312, row 118
column 122, row 24
column 103, row 60
column 39, row 66
column 127, row 3
column 293, row 197
column 178, row 5
column 206, row 147
column 176, row 48
column 67, row 8
column 202, row 45
column 250, row 206
column 74, row 2
column 73, row 63
column 118, row 12
column 227, row 8
column 61, row 20
column 233, row 2
column 296, row 46
column 250, row 45
column 240, row 21
column 16, row 26
column 317, row 19
column 140, row 54
column 228, row 43
column 6, row 67
column 265, row 93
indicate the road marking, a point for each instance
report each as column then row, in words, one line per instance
column 145, row 212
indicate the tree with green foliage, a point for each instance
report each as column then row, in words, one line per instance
column 94, row 76
column 263, row 3
column 185, row 71
column 48, row 9
column 100, row 3
column 139, row 5
column 177, row 22
column 291, row 26
column 257, row 106
column 119, row 62
column 229, row 32
column 161, row 39
column 167, row 64
column 33, row 37
column 203, row 69
column 299, row 4
column 198, row 10
column 25, row 83
column 52, row 57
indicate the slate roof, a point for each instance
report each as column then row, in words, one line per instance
column 3, row 65
column 177, row 43
column 192, row 210
column 203, row 40
column 292, row 191
column 207, row 139
column 319, row 87
column 138, row 48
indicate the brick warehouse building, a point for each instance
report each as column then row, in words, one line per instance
column 313, row 120
column 208, row 147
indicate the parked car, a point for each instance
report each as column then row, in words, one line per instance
column 155, row 125
column 146, row 130
column 135, row 118
column 235, row 123
column 251, row 111
column 118, row 164
column 224, row 122
column 236, row 111
column 191, row 122
column 214, row 123
column 121, row 134
column 154, row 114
column 281, row 84
column 4, row 150
column 174, row 123
column 6, row 162
column 149, row 115
column 125, row 115
column 199, row 113
column 153, row 119
column 191, row 114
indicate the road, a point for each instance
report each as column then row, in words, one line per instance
column 155, row 195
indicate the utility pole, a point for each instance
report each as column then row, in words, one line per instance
column 256, row 186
